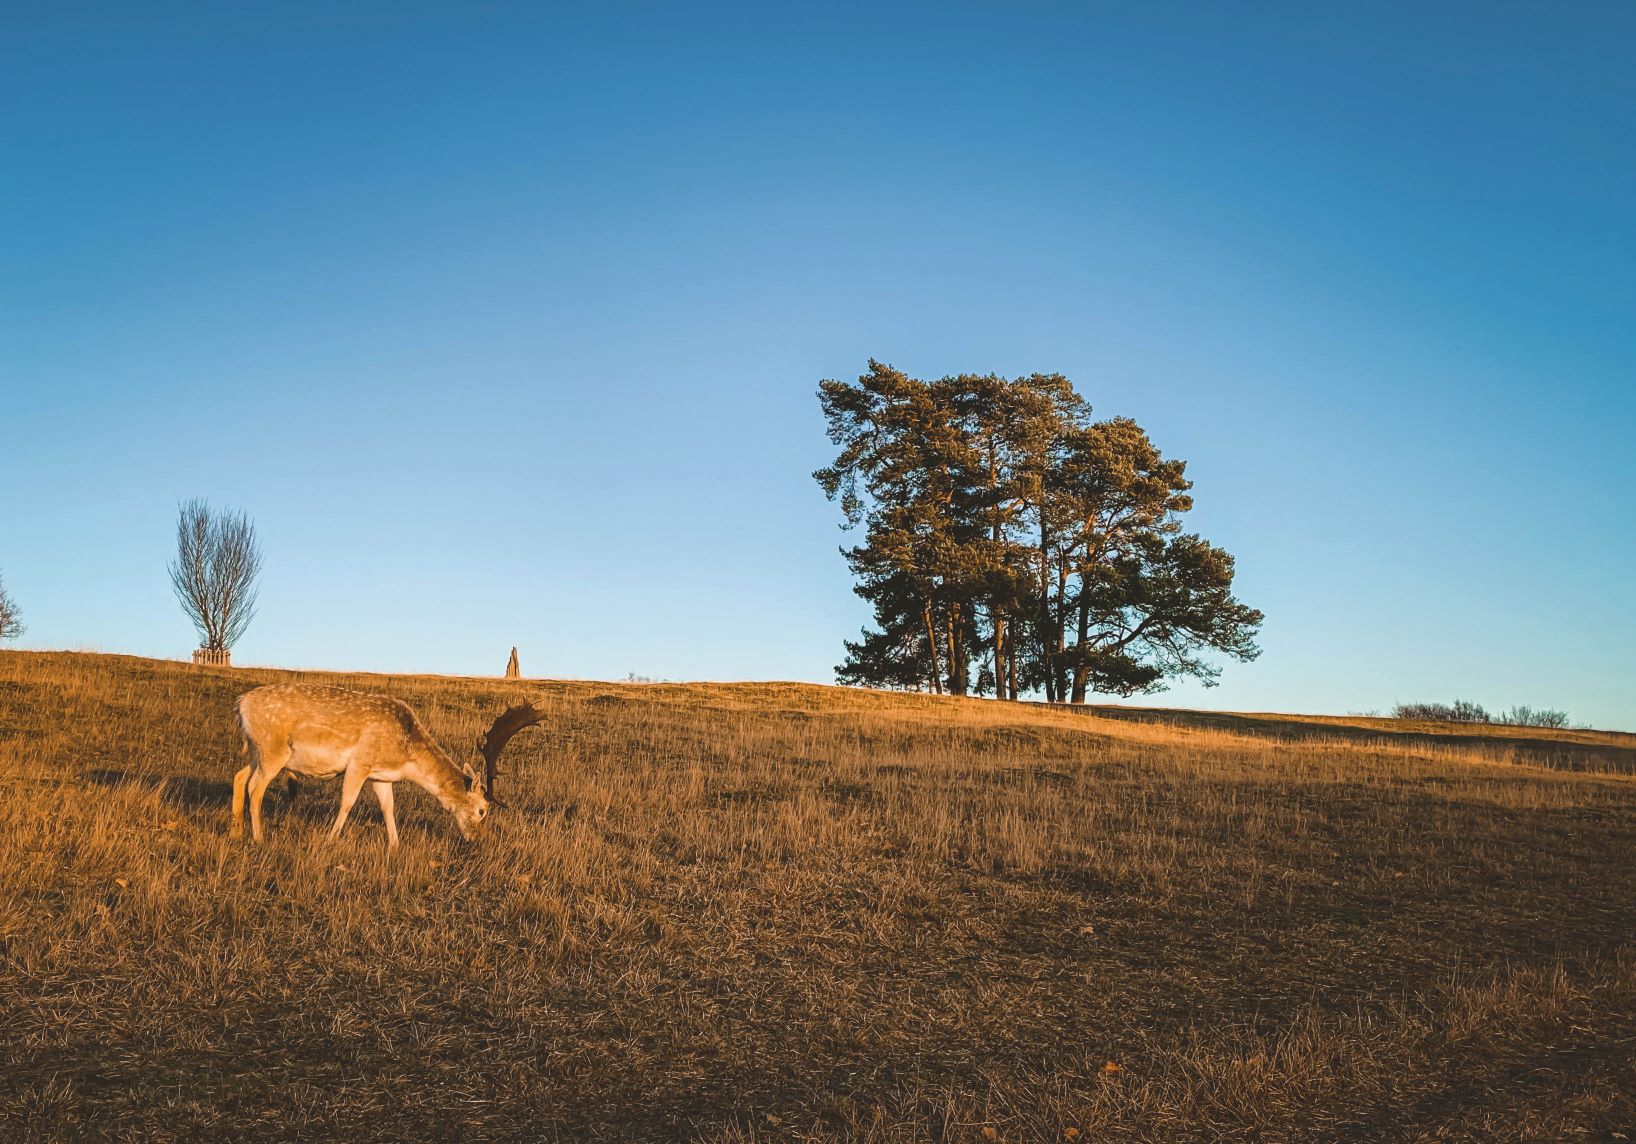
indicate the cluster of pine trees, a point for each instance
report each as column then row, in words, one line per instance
column 1012, row 544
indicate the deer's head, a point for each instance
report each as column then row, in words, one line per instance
column 471, row 813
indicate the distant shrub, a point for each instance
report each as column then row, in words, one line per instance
column 1460, row 711
column 1465, row 711
column 1534, row 717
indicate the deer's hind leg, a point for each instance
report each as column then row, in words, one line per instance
column 240, row 782
column 270, row 759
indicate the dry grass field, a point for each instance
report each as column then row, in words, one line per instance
column 777, row 912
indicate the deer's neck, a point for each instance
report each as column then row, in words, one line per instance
column 435, row 773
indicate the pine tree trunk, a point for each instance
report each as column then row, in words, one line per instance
column 931, row 643
column 1081, row 668
column 1011, row 665
column 1049, row 660
column 996, row 652
column 1000, row 655
column 997, row 535
column 1059, row 631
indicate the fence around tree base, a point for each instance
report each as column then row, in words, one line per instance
column 213, row 658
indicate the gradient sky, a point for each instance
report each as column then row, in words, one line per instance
column 504, row 322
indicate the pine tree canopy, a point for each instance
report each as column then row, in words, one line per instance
column 1012, row 544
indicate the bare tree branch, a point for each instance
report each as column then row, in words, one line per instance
column 11, row 616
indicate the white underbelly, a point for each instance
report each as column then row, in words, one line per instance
column 316, row 764
column 329, row 764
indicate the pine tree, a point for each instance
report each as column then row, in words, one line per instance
column 1142, row 599
column 896, row 475
column 1012, row 544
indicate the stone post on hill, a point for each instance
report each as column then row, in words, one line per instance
column 512, row 670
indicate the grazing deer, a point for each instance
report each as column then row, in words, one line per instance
column 322, row 732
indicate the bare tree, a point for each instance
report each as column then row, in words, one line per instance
column 214, row 573
column 11, row 616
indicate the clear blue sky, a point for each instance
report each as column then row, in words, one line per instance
column 504, row 322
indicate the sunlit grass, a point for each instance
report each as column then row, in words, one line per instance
column 771, row 911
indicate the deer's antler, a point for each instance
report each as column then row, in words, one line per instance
column 490, row 745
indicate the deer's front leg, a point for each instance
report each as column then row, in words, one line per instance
column 351, row 784
column 383, row 795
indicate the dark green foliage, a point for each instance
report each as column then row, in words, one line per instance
column 1012, row 544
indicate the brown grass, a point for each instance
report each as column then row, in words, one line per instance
column 778, row 911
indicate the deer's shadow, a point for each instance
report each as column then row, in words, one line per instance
column 289, row 796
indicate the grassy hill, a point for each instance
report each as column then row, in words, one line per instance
column 780, row 911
